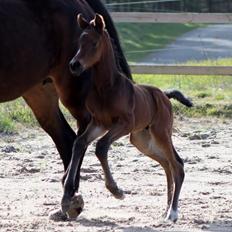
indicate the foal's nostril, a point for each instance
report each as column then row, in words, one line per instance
column 74, row 65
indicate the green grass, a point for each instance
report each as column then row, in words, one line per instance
column 13, row 114
column 211, row 95
column 139, row 39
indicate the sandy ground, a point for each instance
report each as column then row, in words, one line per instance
column 211, row 42
column 30, row 184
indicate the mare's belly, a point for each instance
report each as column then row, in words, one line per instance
column 24, row 55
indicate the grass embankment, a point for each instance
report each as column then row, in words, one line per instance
column 211, row 95
column 139, row 39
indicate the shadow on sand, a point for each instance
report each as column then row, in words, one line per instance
column 216, row 226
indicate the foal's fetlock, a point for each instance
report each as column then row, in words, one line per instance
column 117, row 192
column 66, row 199
column 65, row 203
column 172, row 215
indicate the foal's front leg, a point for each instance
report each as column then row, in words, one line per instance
column 102, row 147
column 72, row 180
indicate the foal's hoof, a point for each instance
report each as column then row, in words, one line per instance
column 172, row 216
column 76, row 207
column 72, row 207
column 57, row 215
column 117, row 192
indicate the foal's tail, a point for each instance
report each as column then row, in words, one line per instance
column 176, row 94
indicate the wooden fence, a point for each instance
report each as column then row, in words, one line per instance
column 139, row 17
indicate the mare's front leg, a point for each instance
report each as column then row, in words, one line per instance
column 72, row 180
column 117, row 131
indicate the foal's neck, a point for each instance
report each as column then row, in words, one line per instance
column 105, row 72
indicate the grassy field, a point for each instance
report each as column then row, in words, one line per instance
column 211, row 95
column 140, row 39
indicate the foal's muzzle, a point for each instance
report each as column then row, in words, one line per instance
column 76, row 68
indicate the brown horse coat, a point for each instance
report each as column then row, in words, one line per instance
column 37, row 40
column 119, row 107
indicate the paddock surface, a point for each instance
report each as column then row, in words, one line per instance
column 30, row 184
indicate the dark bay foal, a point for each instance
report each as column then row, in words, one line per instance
column 120, row 107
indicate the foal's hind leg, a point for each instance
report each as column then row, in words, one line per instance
column 102, row 147
column 143, row 141
column 162, row 139
column 110, row 183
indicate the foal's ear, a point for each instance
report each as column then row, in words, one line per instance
column 99, row 23
column 82, row 22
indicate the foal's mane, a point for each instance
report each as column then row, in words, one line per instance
column 122, row 64
column 115, row 53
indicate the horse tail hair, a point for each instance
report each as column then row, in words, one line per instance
column 99, row 7
column 177, row 95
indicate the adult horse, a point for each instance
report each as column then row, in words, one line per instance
column 37, row 40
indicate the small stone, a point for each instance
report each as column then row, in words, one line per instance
column 204, row 227
column 214, row 142
column 206, row 145
column 9, row 149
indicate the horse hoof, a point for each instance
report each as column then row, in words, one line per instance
column 76, row 207
column 117, row 193
column 172, row 216
column 57, row 215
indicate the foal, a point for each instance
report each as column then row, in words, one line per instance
column 119, row 107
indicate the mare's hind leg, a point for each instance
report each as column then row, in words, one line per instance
column 142, row 140
column 43, row 101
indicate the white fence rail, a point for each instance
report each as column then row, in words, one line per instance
column 139, row 17
column 182, row 70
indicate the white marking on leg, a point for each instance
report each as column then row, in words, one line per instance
column 172, row 215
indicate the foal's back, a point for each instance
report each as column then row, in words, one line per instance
column 151, row 106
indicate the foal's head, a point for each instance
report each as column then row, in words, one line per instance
column 92, row 43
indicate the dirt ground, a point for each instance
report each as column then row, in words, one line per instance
column 30, row 185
